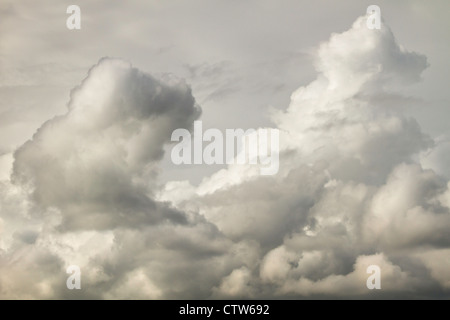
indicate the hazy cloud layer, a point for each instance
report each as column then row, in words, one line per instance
column 359, row 183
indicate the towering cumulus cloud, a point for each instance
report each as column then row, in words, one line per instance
column 350, row 192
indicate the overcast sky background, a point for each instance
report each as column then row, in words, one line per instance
column 364, row 149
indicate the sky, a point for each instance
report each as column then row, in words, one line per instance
column 86, row 176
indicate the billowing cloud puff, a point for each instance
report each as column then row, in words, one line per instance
column 96, row 162
column 348, row 114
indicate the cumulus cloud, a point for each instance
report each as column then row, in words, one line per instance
column 95, row 162
column 352, row 190
column 81, row 192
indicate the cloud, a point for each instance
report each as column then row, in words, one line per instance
column 351, row 191
column 344, row 115
column 95, row 162
column 353, row 283
column 236, row 284
column 437, row 261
